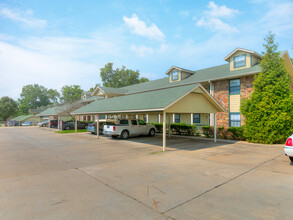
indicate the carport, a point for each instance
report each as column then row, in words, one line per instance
column 192, row 98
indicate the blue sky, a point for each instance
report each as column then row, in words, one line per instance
column 56, row 43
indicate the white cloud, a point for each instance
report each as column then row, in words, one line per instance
column 142, row 50
column 139, row 27
column 212, row 18
column 26, row 18
column 220, row 11
column 278, row 17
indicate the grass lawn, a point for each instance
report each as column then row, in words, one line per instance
column 70, row 131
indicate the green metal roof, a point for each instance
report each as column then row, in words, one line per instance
column 157, row 99
column 50, row 111
column 22, row 117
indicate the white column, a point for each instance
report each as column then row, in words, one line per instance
column 147, row 118
column 191, row 118
column 169, row 125
column 164, row 131
column 49, row 123
column 98, row 127
column 215, row 127
column 159, row 118
column 75, row 125
column 173, row 118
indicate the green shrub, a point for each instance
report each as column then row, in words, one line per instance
column 237, row 133
column 208, row 131
column 159, row 126
column 269, row 111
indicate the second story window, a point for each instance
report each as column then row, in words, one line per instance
column 234, row 87
column 240, row 61
column 174, row 75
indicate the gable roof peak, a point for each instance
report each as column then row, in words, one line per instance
column 180, row 69
column 241, row 49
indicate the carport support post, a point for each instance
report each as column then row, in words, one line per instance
column 215, row 128
column 164, row 131
column 169, row 125
column 75, row 125
column 98, row 128
column 58, row 123
column 49, row 123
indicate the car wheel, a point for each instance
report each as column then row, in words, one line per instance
column 67, row 128
column 93, row 132
column 152, row 132
column 124, row 134
column 291, row 158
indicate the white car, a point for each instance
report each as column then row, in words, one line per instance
column 129, row 127
column 288, row 149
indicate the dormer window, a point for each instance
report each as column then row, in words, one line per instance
column 240, row 61
column 174, row 75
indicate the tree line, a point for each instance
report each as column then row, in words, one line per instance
column 34, row 95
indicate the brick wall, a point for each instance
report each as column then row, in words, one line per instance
column 221, row 91
column 245, row 90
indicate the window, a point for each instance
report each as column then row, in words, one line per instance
column 140, row 122
column 240, row 61
column 175, row 75
column 234, row 86
column 123, row 122
column 102, row 116
column 235, row 120
column 196, row 118
column 133, row 122
column 177, row 118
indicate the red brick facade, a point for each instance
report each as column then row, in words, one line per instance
column 221, row 94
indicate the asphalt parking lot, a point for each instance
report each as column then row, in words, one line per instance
column 44, row 175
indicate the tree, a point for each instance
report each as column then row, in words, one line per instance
column 53, row 95
column 269, row 111
column 119, row 77
column 33, row 96
column 8, row 108
column 71, row 93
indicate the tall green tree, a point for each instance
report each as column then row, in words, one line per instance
column 269, row 111
column 53, row 95
column 117, row 78
column 71, row 93
column 8, row 108
column 33, row 96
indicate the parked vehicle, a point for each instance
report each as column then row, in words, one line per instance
column 288, row 149
column 27, row 123
column 93, row 127
column 13, row 123
column 53, row 123
column 127, row 128
column 69, row 125
column 43, row 123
